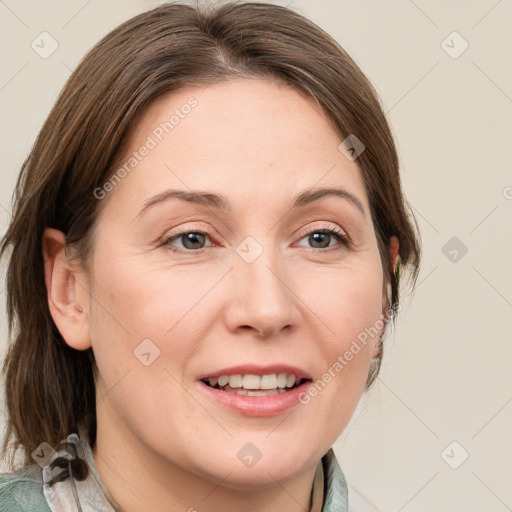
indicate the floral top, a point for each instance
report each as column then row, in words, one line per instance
column 68, row 482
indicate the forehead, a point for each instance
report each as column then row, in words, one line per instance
column 245, row 138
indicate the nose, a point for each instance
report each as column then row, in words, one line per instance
column 262, row 298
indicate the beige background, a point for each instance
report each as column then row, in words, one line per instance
column 447, row 373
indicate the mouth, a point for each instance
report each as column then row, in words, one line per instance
column 253, row 390
column 256, row 385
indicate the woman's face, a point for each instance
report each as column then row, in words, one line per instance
column 257, row 284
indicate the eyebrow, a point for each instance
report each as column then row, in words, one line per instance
column 220, row 202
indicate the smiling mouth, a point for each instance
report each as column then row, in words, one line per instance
column 255, row 385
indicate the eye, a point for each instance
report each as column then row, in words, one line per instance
column 191, row 240
column 320, row 238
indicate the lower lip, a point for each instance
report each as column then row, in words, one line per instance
column 270, row 405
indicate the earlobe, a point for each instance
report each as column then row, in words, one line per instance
column 66, row 296
column 393, row 262
column 393, row 252
column 393, row 258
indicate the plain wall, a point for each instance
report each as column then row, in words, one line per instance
column 446, row 386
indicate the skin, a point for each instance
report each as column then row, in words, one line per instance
column 161, row 443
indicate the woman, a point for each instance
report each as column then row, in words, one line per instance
column 206, row 251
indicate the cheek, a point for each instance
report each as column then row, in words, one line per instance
column 349, row 302
column 350, row 309
column 135, row 299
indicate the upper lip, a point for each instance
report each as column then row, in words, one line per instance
column 254, row 369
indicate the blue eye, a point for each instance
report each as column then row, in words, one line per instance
column 190, row 239
column 193, row 241
column 319, row 236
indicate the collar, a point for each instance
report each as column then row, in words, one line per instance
column 67, row 485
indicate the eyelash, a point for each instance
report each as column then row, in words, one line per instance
column 339, row 235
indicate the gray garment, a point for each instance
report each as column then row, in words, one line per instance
column 28, row 489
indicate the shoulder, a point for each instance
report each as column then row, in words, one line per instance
column 22, row 491
column 341, row 496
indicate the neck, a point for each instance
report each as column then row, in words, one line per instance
column 140, row 479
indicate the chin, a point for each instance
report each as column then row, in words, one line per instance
column 250, row 468
column 260, row 477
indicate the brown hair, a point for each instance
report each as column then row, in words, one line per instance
column 50, row 386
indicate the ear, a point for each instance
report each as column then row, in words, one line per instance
column 67, row 297
column 393, row 246
column 393, row 258
column 393, row 251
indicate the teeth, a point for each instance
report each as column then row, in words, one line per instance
column 255, row 382
column 235, row 381
column 281, row 380
column 255, row 392
column 269, row 381
column 251, row 382
column 223, row 380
